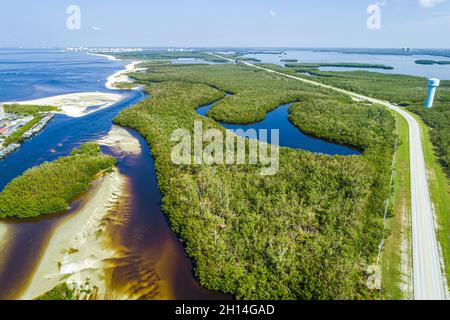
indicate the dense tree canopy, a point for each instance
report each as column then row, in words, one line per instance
column 307, row 232
column 406, row 91
column 49, row 187
column 438, row 119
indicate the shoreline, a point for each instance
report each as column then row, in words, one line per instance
column 83, row 103
column 77, row 104
column 109, row 57
column 4, row 230
column 121, row 76
column 81, row 251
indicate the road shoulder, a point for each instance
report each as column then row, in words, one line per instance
column 440, row 195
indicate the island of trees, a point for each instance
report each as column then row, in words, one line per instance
column 51, row 186
column 431, row 62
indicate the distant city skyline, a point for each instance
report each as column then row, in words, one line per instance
column 206, row 23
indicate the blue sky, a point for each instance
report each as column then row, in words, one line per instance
column 264, row 23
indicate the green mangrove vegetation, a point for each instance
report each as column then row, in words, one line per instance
column 254, row 92
column 59, row 293
column 339, row 65
column 49, row 187
column 410, row 92
column 168, row 55
column 431, row 62
column 28, row 110
column 406, row 91
column 439, row 186
column 357, row 124
column 308, row 232
column 240, row 57
column 438, row 120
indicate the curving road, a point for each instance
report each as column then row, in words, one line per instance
column 427, row 271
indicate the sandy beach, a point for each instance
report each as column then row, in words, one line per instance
column 77, row 104
column 109, row 57
column 121, row 141
column 84, row 103
column 4, row 241
column 121, row 76
column 80, row 251
column 3, row 235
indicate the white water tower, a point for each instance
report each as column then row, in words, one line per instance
column 432, row 85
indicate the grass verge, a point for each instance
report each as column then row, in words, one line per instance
column 392, row 268
column 440, row 193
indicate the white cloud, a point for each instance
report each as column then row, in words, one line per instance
column 272, row 13
column 95, row 28
column 429, row 3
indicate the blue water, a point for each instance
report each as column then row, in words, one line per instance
column 403, row 64
column 61, row 136
column 31, row 74
column 290, row 136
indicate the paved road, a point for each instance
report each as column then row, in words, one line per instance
column 427, row 272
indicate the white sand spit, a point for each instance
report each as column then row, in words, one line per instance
column 78, row 104
column 121, row 140
column 121, row 76
column 79, row 251
column 3, row 236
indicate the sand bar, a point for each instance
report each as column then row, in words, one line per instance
column 78, row 252
column 121, row 141
column 3, row 236
column 77, row 104
column 80, row 246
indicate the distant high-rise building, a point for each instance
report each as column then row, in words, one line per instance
column 2, row 112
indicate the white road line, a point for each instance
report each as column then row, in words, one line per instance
column 427, row 271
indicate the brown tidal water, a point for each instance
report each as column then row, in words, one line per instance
column 155, row 265
column 26, row 241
